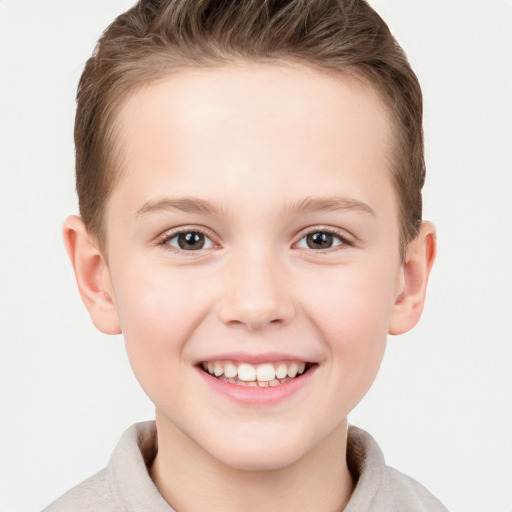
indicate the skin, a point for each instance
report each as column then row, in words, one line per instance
column 277, row 152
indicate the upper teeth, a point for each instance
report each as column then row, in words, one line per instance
column 247, row 372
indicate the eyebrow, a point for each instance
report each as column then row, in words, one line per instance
column 185, row 204
column 334, row 203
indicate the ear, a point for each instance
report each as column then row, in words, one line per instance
column 92, row 275
column 420, row 256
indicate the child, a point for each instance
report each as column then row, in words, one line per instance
column 249, row 176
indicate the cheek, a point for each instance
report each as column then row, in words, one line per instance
column 352, row 310
column 156, row 321
column 352, row 299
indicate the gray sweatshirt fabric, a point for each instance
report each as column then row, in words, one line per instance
column 125, row 485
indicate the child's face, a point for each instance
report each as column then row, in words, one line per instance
column 246, row 162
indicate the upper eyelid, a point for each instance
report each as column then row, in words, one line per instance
column 340, row 233
column 172, row 232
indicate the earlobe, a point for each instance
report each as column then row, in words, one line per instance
column 420, row 257
column 92, row 276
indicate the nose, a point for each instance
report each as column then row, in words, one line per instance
column 255, row 292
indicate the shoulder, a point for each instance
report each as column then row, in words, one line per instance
column 95, row 493
column 124, row 485
column 380, row 488
column 408, row 494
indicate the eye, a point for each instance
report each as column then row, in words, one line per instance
column 189, row 241
column 321, row 240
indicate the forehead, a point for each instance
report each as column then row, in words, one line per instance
column 216, row 131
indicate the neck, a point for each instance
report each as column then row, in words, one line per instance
column 188, row 478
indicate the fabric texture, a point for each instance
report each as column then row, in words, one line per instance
column 125, row 485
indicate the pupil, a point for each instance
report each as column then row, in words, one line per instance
column 191, row 241
column 319, row 240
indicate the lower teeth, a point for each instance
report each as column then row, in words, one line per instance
column 255, row 383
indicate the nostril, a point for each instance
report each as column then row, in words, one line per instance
column 236, row 323
column 255, row 323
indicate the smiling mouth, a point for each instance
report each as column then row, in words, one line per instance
column 261, row 375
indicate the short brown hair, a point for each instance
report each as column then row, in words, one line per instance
column 156, row 38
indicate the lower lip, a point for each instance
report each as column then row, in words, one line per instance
column 249, row 395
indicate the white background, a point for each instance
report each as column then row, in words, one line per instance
column 441, row 407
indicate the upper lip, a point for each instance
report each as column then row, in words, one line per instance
column 261, row 358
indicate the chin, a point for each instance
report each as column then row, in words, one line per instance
column 262, row 461
column 259, row 454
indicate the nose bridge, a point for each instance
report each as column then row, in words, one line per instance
column 254, row 289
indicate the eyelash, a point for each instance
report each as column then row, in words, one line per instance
column 168, row 236
column 342, row 237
